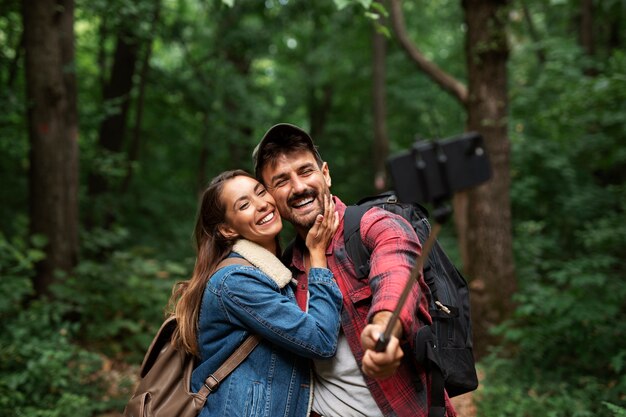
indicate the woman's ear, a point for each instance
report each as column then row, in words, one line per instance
column 227, row 231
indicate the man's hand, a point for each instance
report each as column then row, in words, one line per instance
column 380, row 365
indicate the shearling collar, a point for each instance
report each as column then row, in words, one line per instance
column 263, row 259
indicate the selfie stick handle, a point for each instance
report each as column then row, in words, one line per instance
column 384, row 338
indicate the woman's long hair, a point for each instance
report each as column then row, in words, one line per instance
column 212, row 247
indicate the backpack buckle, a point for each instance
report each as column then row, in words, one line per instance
column 392, row 199
column 213, row 386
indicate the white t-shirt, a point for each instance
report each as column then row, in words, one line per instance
column 339, row 389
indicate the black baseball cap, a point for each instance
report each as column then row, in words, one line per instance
column 282, row 135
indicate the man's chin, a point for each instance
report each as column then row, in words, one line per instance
column 303, row 221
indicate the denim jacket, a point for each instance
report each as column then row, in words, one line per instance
column 274, row 380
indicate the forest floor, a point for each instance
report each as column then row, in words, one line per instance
column 464, row 405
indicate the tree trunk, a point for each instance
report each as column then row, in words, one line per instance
column 489, row 237
column 135, row 144
column 53, row 133
column 116, row 92
column 586, row 27
column 381, row 140
column 319, row 96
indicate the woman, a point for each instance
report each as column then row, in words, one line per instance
column 238, row 218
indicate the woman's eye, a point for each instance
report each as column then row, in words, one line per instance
column 262, row 191
column 244, row 206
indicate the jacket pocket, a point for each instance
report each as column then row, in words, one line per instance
column 361, row 299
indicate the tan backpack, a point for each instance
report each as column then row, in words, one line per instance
column 165, row 386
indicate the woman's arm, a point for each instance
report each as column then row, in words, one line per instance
column 252, row 300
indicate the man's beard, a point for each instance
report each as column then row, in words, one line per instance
column 302, row 221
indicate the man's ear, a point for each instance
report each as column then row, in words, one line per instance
column 326, row 174
column 227, row 231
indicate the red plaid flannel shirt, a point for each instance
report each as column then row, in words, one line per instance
column 395, row 247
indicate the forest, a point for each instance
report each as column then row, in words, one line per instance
column 116, row 114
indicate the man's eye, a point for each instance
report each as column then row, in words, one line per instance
column 280, row 183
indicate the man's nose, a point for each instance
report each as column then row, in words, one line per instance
column 298, row 185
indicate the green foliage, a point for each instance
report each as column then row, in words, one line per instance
column 519, row 392
column 616, row 410
column 118, row 300
column 42, row 372
column 52, row 352
column 564, row 353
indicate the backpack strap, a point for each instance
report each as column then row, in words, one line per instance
column 438, row 399
column 355, row 247
column 213, row 381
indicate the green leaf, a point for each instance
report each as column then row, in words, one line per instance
column 378, row 7
column 382, row 29
column 342, row 4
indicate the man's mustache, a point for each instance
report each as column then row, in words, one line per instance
column 301, row 195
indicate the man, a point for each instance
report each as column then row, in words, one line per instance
column 358, row 381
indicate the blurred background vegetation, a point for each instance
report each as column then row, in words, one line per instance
column 168, row 93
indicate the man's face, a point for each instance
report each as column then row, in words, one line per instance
column 298, row 185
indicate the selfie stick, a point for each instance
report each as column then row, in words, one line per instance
column 384, row 338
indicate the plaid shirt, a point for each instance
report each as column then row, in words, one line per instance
column 394, row 247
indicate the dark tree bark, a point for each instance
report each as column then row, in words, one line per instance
column 116, row 91
column 489, row 239
column 586, row 27
column 53, row 133
column 135, row 144
column 381, row 140
column 319, row 97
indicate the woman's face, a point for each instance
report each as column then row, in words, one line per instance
column 250, row 212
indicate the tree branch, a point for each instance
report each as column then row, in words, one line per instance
column 445, row 81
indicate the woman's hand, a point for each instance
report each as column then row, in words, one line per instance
column 321, row 233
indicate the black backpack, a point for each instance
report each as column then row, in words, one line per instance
column 445, row 347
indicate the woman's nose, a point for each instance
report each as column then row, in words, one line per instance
column 261, row 204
